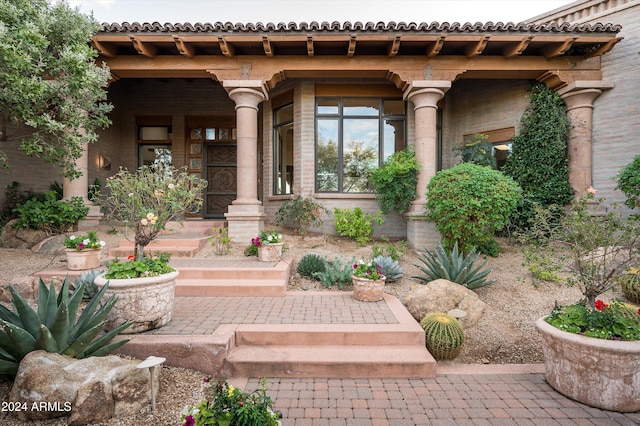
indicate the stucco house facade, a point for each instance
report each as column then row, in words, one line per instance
column 266, row 112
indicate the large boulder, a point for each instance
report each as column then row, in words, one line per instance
column 444, row 296
column 87, row 390
column 21, row 238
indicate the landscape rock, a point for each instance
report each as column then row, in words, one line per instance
column 87, row 390
column 26, row 286
column 21, row 238
column 444, row 296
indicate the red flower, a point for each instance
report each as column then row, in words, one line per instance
column 638, row 311
column 600, row 305
column 130, row 257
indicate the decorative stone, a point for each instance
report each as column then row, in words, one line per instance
column 85, row 390
column 270, row 252
column 146, row 302
column 83, row 260
column 444, row 296
column 600, row 373
column 366, row 290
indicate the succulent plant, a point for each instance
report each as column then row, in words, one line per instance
column 90, row 288
column 55, row 326
column 311, row 263
column 630, row 285
column 390, row 268
column 335, row 273
column 454, row 266
column 443, row 334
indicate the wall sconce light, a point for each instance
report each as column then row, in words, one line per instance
column 104, row 162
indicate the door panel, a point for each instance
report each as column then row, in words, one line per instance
column 221, row 173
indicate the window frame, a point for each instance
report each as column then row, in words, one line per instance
column 276, row 126
column 341, row 117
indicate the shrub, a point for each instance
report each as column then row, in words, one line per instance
column 336, row 273
column 310, row 264
column 300, row 214
column 55, row 326
column 220, row 241
column 356, row 224
column 538, row 160
column 395, row 182
column 14, row 197
column 51, row 215
column 453, row 266
column 390, row 268
column 395, row 250
column 629, row 183
column 469, row 203
column 444, row 335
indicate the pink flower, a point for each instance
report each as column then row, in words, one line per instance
column 189, row 421
column 591, row 190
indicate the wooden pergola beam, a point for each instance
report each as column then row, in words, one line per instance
column 185, row 49
column 352, row 46
column 475, row 49
column 517, row 48
column 144, row 49
column 266, row 45
column 435, row 47
column 558, row 49
column 395, row 46
column 226, row 48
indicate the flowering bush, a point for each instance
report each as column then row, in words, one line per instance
column 594, row 248
column 614, row 321
column 225, row 405
column 369, row 270
column 150, row 198
column 148, row 266
column 79, row 243
column 272, row 237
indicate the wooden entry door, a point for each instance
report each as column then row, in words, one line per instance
column 221, row 173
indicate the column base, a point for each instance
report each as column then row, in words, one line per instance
column 92, row 220
column 244, row 222
column 421, row 232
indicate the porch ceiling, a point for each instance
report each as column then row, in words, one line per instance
column 352, row 40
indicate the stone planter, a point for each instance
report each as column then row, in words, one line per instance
column 270, row 252
column 146, row 302
column 600, row 373
column 366, row 290
column 83, row 260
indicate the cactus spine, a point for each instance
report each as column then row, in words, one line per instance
column 444, row 335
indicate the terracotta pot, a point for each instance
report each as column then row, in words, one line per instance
column 366, row 290
column 83, row 260
column 270, row 252
column 597, row 372
column 146, row 302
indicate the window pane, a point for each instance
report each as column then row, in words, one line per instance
column 361, row 107
column 393, row 107
column 360, row 153
column 210, row 134
column 393, row 137
column 154, row 154
column 327, row 155
column 283, row 160
column 284, row 114
column 328, row 106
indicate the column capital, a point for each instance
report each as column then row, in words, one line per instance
column 246, row 93
column 582, row 93
column 426, row 93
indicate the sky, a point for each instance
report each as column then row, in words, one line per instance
column 276, row 11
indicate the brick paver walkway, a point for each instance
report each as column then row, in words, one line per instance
column 202, row 315
column 452, row 399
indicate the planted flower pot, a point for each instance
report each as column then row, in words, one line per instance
column 597, row 372
column 270, row 252
column 146, row 302
column 367, row 290
column 83, row 260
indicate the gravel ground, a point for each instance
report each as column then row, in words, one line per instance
column 505, row 333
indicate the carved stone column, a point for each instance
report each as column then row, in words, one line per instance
column 579, row 97
column 424, row 94
column 245, row 216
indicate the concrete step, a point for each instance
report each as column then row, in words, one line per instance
column 194, row 227
column 178, row 245
column 329, row 334
column 332, row 361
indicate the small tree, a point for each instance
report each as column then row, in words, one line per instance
column 395, row 182
column 538, row 160
column 469, row 203
column 51, row 91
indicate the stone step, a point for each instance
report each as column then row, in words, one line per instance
column 194, row 227
column 330, row 334
column 334, row 361
column 177, row 245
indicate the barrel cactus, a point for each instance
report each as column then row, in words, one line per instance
column 55, row 325
column 390, row 268
column 444, row 335
column 630, row 285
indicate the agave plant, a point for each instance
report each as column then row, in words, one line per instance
column 454, row 266
column 55, row 326
column 390, row 268
column 90, row 289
